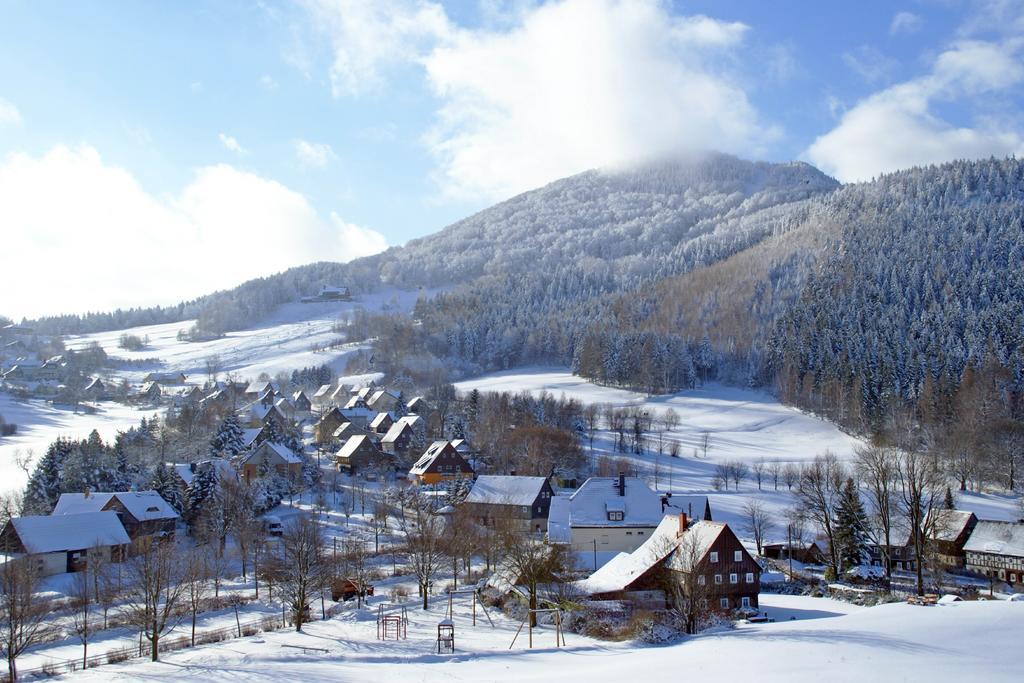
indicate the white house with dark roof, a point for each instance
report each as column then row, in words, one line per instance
column 605, row 515
column 61, row 543
column 996, row 550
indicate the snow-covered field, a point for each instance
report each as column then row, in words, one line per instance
column 40, row 423
column 824, row 640
column 282, row 342
column 741, row 424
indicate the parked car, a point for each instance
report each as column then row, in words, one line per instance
column 273, row 525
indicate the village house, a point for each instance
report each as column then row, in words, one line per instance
column 166, row 378
column 257, row 415
column 901, row 548
column 301, row 403
column 359, row 453
column 523, row 501
column 186, row 472
column 440, row 463
column 606, row 515
column 347, row 430
column 727, row 577
column 328, row 424
column 382, row 400
column 143, row 514
column 381, row 423
column 996, row 550
column 62, row 543
column 95, row 390
column 280, row 459
column 322, row 396
column 417, row 405
column 150, row 392
column 191, row 396
column 952, row 528
column 254, row 436
column 405, row 437
column 258, row 388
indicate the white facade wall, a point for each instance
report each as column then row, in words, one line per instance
column 609, row 539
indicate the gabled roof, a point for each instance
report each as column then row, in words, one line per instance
column 249, row 436
column 379, row 419
column 997, row 538
column 258, row 387
column 286, row 454
column 949, row 524
column 353, row 444
column 186, row 471
column 434, row 451
column 59, row 533
column 324, row 390
column 401, row 424
column 96, row 383
column 590, row 504
column 505, row 490
column 693, row 505
column 142, row 505
column 299, row 395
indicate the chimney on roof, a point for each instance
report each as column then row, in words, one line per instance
column 683, row 522
column 622, row 484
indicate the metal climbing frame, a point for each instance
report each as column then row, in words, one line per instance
column 392, row 624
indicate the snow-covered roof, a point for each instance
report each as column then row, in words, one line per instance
column 324, row 390
column 258, row 387
column 249, row 435
column 379, row 419
column 401, row 424
column 353, row 444
column 286, row 454
column 559, row 530
column 949, row 524
column 58, row 533
column 997, row 538
column 505, row 490
column 186, row 471
column 433, row 451
column 590, row 504
column 142, row 505
column 77, row 503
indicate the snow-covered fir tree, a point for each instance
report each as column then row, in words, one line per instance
column 851, row 526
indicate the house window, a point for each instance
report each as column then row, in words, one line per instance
column 737, row 556
column 718, row 579
column 750, row 577
column 724, row 603
column 1013, row 578
column 639, row 533
column 734, row 578
column 714, row 556
column 701, row 580
column 615, row 515
column 745, row 602
column 629, row 533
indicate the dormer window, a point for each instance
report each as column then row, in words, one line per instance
column 615, row 515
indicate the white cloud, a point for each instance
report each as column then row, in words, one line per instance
column 316, row 155
column 230, row 143
column 554, row 89
column 905, row 22
column 370, row 36
column 268, row 82
column 81, row 234
column 9, row 114
column 898, row 127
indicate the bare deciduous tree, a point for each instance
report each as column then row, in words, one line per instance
column 757, row 521
column 876, row 466
column 154, row 589
column 424, row 538
column 304, row 569
column 921, row 487
column 22, row 613
column 817, row 491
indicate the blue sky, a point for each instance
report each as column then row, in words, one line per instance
column 142, row 138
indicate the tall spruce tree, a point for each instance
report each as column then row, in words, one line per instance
column 228, row 441
column 163, row 483
column 948, row 503
column 203, row 486
column 851, row 527
column 43, row 488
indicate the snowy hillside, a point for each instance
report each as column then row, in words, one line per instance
column 281, row 342
column 810, row 637
column 740, row 424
